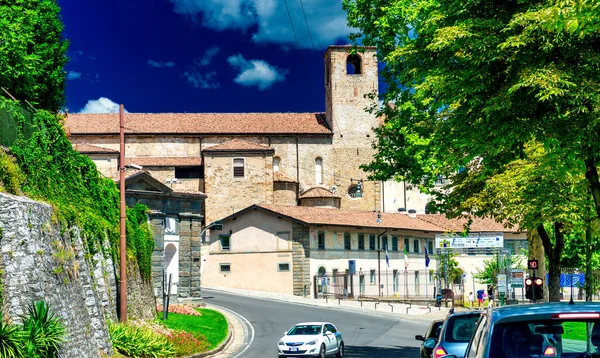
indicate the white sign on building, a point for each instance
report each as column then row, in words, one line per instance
column 470, row 241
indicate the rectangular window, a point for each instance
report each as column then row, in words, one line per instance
column 394, row 243
column 321, row 240
column 407, row 245
column 283, row 267
column 416, row 246
column 189, row 172
column 224, row 242
column 225, row 267
column 334, row 278
column 238, row 167
column 361, row 241
column 384, row 242
column 430, row 248
column 371, row 242
column 372, row 276
column 347, row 241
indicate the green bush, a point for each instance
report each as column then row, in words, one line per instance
column 139, row 341
column 11, row 339
column 11, row 177
column 44, row 332
column 40, row 335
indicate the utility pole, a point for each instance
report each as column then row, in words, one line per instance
column 123, row 214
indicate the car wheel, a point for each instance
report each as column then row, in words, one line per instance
column 340, row 352
column 322, row 351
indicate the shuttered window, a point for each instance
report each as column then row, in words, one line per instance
column 238, row 168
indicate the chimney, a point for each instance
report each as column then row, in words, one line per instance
column 412, row 213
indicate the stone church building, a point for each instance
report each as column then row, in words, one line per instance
column 207, row 166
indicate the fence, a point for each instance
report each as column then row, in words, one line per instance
column 395, row 284
column 9, row 125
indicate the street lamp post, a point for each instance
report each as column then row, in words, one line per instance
column 123, row 216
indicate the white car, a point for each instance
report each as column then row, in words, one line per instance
column 316, row 339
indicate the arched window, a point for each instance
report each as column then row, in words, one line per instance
column 353, row 65
column 276, row 164
column 319, row 171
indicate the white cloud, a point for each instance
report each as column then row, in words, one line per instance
column 208, row 55
column 268, row 19
column 73, row 75
column 201, row 80
column 159, row 64
column 255, row 72
column 100, row 105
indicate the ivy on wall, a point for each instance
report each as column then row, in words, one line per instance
column 50, row 170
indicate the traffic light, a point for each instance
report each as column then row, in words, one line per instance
column 529, row 289
column 538, row 288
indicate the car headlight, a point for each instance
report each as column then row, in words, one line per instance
column 311, row 343
column 280, row 343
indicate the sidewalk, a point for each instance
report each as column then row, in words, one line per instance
column 408, row 312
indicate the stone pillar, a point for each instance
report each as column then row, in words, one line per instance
column 301, row 259
column 157, row 220
column 189, row 254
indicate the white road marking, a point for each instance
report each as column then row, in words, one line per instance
column 247, row 322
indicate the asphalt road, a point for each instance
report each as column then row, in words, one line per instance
column 365, row 335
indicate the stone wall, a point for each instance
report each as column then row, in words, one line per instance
column 284, row 193
column 34, row 265
column 301, row 259
column 226, row 194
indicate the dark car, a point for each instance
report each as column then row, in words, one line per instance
column 539, row 330
column 432, row 332
column 455, row 334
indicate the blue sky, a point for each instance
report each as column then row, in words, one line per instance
column 199, row 55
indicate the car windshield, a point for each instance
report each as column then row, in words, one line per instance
column 305, row 329
column 562, row 338
column 460, row 328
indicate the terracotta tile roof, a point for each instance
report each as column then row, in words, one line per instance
column 165, row 161
column 279, row 176
column 239, row 145
column 199, row 123
column 317, row 192
column 337, row 217
column 457, row 225
column 92, row 149
column 367, row 219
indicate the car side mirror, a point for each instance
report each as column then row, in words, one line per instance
column 430, row 343
column 285, row 333
column 328, row 333
column 419, row 337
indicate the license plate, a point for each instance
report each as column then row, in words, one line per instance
column 294, row 349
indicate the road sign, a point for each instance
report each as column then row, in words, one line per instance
column 516, row 282
column 323, row 280
column 517, row 274
column 532, row 264
column 502, row 283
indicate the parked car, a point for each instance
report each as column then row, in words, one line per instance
column 540, row 330
column 455, row 334
column 317, row 339
column 433, row 331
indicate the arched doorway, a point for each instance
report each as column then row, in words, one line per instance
column 321, row 288
column 171, row 261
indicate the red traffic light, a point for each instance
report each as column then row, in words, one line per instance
column 538, row 281
column 528, row 282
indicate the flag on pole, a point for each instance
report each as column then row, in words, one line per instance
column 426, row 256
column 387, row 258
column 405, row 258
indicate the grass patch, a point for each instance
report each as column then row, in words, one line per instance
column 575, row 330
column 211, row 325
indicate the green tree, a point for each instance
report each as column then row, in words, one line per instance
column 493, row 267
column 475, row 85
column 33, row 52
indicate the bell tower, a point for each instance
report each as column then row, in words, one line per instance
column 349, row 79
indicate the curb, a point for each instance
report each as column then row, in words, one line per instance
column 221, row 345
